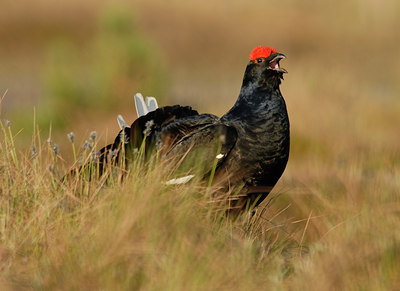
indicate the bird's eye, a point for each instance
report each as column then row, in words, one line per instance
column 259, row 60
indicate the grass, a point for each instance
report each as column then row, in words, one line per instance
column 139, row 233
column 334, row 227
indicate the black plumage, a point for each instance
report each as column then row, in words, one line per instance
column 250, row 142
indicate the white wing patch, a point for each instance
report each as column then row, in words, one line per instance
column 182, row 180
column 220, row 156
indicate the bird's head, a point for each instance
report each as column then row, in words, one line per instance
column 264, row 65
column 267, row 57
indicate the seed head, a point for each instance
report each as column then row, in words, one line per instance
column 87, row 146
column 7, row 123
column 148, row 125
column 56, row 149
column 94, row 156
column 114, row 153
column 93, row 136
column 123, row 137
column 52, row 169
column 71, row 137
column 34, row 152
column 111, row 154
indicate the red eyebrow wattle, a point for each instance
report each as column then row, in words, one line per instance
column 261, row 52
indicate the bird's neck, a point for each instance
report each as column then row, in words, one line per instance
column 257, row 102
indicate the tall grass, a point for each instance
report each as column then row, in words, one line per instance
column 327, row 227
column 129, row 233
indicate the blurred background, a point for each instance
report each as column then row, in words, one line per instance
column 77, row 64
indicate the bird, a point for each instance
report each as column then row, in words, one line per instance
column 246, row 149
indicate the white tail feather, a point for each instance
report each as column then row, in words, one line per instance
column 121, row 122
column 140, row 105
column 151, row 103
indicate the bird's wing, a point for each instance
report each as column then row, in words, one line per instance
column 133, row 137
column 203, row 150
column 153, row 122
column 178, row 129
column 167, row 128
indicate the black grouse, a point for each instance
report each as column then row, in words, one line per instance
column 246, row 150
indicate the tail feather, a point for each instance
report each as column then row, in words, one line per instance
column 121, row 122
column 143, row 107
column 151, row 103
column 140, row 105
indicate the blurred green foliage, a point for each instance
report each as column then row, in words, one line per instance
column 115, row 63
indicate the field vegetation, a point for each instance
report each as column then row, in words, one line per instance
column 331, row 223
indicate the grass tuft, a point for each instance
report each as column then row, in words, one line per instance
column 125, row 233
column 127, row 229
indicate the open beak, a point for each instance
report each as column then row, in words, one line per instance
column 274, row 63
